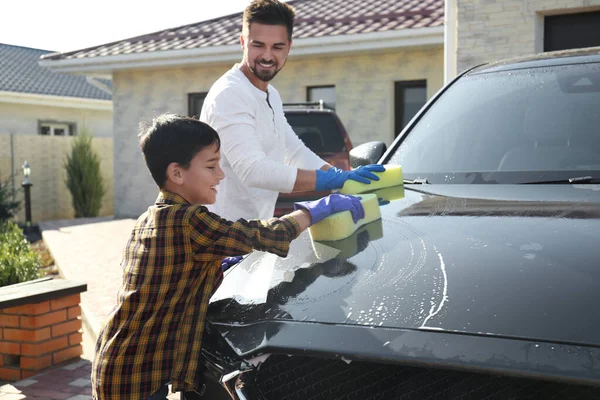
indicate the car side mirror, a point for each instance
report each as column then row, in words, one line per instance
column 367, row 153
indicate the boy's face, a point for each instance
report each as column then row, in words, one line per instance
column 198, row 182
column 265, row 50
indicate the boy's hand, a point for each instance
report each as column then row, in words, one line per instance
column 334, row 178
column 332, row 204
column 229, row 262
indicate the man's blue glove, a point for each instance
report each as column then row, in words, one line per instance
column 332, row 204
column 229, row 262
column 334, row 178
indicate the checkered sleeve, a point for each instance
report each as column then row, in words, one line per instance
column 216, row 237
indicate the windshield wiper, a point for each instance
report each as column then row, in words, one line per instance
column 418, row 181
column 575, row 180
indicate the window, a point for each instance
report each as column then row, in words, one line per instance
column 409, row 97
column 325, row 93
column 195, row 102
column 56, row 128
column 571, row 31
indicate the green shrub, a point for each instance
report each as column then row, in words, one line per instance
column 84, row 180
column 8, row 207
column 18, row 262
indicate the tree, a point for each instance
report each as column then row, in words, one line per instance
column 84, row 180
column 8, row 207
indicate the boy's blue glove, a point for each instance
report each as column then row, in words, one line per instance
column 382, row 201
column 229, row 262
column 334, row 178
column 332, row 204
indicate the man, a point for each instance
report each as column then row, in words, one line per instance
column 260, row 153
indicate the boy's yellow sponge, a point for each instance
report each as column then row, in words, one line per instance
column 340, row 225
column 392, row 176
column 354, row 243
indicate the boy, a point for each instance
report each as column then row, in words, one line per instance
column 172, row 263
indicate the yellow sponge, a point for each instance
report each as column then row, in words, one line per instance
column 340, row 225
column 353, row 244
column 392, row 176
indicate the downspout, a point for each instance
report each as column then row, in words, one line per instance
column 12, row 167
column 450, row 39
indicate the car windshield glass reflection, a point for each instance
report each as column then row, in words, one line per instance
column 527, row 125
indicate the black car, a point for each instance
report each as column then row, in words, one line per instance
column 480, row 281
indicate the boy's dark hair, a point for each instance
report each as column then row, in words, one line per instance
column 171, row 138
column 269, row 12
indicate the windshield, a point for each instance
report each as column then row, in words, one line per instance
column 319, row 132
column 509, row 127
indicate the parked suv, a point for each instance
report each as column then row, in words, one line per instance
column 322, row 132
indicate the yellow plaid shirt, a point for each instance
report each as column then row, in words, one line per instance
column 171, row 265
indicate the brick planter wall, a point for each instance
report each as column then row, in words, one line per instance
column 40, row 326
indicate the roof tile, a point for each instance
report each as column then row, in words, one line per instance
column 20, row 72
column 314, row 18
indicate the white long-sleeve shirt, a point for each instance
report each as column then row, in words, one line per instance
column 260, row 153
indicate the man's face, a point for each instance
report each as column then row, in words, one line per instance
column 265, row 50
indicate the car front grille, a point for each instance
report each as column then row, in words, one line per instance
column 283, row 377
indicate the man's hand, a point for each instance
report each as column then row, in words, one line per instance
column 334, row 178
column 332, row 204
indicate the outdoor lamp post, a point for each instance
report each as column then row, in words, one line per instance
column 27, row 189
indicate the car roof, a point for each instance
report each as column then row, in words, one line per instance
column 554, row 58
column 297, row 110
column 307, row 107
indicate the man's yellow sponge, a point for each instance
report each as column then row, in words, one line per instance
column 340, row 225
column 392, row 176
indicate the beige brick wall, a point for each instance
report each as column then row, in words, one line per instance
column 50, row 198
column 22, row 119
column 490, row 30
column 364, row 90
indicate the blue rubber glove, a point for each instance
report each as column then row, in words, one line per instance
column 229, row 262
column 332, row 204
column 334, row 178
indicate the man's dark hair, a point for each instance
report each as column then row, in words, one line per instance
column 269, row 12
column 171, row 138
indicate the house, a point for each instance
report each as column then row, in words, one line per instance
column 377, row 61
column 40, row 112
column 37, row 101
column 479, row 31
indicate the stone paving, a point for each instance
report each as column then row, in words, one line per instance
column 70, row 381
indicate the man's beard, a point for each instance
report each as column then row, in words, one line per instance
column 264, row 75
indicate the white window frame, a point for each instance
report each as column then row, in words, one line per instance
column 311, row 94
column 67, row 126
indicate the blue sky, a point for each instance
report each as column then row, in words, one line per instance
column 64, row 25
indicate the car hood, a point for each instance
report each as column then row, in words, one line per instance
column 510, row 261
